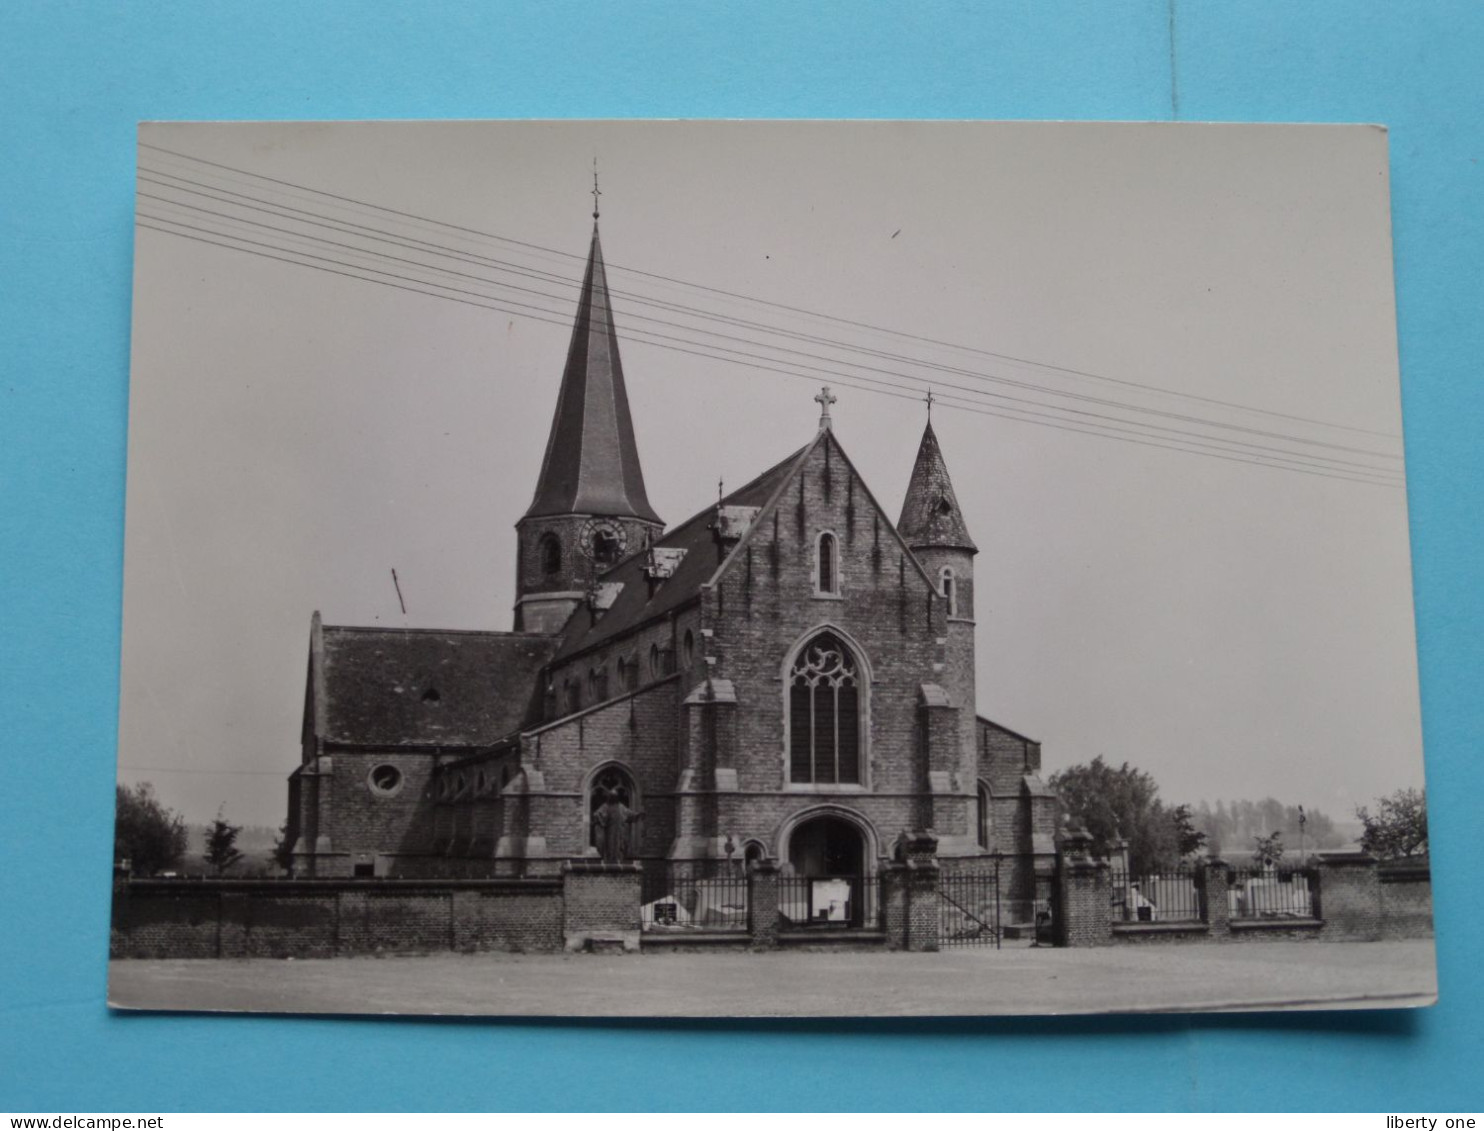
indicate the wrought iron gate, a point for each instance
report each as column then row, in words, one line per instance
column 969, row 910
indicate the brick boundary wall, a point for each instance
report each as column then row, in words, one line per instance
column 1356, row 899
column 1347, row 897
column 1406, row 899
column 763, row 919
column 1084, row 904
column 909, row 895
column 601, row 905
column 1084, row 912
column 327, row 918
column 894, row 897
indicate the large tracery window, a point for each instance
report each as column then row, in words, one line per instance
column 824, row 713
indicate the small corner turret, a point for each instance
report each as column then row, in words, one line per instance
column 932, row 525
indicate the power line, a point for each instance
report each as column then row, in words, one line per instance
column 1199, row 421
column 1068, row 370
column 180, row 770
column 382, row 236
column 913, row 392
column 1277, row 463
column 1306, row 458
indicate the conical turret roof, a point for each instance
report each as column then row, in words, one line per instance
column 930, row 513
column 591, row 464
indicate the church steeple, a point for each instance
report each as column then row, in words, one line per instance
column 590, row 508
column 591, row 466
column 930, row 514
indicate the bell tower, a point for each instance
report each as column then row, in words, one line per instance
column 590, row 509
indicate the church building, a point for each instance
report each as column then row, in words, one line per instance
column 789, row 674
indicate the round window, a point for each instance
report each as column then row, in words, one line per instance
column 385, row 780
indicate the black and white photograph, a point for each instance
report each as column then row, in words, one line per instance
column 726, row 569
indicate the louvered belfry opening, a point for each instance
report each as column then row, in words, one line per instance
column 824, row 713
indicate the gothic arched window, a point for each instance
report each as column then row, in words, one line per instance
column 983, row 819
column 551, row 555
column 827, row 565
column 824, row 707
column 597, row 684
column 946, row 587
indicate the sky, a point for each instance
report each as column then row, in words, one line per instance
column 1237, row 629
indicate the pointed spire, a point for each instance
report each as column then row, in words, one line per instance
column 591, row 464
column 930, row 513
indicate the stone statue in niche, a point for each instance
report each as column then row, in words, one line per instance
column 613, row 822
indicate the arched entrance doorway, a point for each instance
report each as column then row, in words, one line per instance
column 830, row 884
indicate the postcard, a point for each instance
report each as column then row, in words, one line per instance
column 767, row 568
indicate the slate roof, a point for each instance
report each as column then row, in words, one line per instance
column 591, row 465
column 415, row 687
column 634, row 604
column 930, row 512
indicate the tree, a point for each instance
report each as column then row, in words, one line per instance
column 1399, row 827
column 1234, row 824
column 283, row 848
column 1188, row 838
column 1268, row 849
column 221, row 841
column 1121, row 802
column 145, row 833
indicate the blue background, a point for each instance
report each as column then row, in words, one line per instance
column 76, row 77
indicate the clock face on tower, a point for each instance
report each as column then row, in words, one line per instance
column 602, row 540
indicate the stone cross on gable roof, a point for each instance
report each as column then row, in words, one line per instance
column 825, row 398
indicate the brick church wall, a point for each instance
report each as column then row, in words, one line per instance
column 636, row 730
column 656, row 647
column 1005, row 758
column 741, row 630
column 360, row 822
column 765, row 603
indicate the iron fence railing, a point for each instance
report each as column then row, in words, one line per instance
column 829, row 901
column 693, row 895
column 1156, row 897
column 1270, row 893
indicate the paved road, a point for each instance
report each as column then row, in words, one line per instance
column 973, row 981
